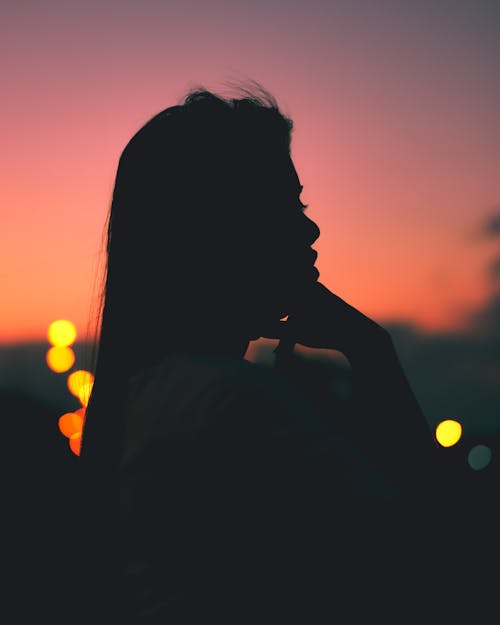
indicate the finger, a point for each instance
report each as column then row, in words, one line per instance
column 284, row 347
column 274, row 330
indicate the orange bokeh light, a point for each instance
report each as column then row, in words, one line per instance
column 75, row 443
column 81, row 412
column 60, row 359
column 70, row 424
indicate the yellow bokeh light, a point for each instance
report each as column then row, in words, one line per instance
column 61, row 333
column 80, row 385
column 448, row 432
column 84, row 393
column 75, row 443
column 70, row 423
column 60, row 359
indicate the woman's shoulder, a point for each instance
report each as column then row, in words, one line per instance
column 206, row 377
column 192, row 394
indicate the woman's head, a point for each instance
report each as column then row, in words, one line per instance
column 206, row 225
column 207, row 244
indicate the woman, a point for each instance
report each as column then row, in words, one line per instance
column 224, row 493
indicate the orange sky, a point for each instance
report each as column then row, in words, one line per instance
column 396, row 138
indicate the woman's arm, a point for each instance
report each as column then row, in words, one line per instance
column 386, row 420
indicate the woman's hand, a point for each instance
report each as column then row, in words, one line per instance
column 389, row 423
column 321, row 319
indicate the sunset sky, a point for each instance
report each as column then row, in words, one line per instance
column 397, row 137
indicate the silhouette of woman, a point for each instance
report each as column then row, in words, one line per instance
column 215, row 491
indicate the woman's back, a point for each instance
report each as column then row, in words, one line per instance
column 225, row 473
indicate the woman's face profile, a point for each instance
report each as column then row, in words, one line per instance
column 280, row 258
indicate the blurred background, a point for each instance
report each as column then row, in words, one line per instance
column 397, row 145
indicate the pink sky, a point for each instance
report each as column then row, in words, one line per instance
column 396, row 141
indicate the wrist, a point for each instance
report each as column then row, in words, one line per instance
column 369, row 347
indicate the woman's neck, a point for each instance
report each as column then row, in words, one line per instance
column 217, row 345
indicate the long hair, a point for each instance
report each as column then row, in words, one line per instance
column 183, row 173
column 181, row 184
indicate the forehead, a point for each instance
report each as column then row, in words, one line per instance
column 278, row 175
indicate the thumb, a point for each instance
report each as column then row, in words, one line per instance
column 275, row 330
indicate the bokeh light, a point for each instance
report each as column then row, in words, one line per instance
column 479, row 457
column 80, row 385
column 448, row 432
column 81, row 412
column 60, row 359
column 70, row 423
column 75, row 443
column 85, row 391
column 61, row 333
